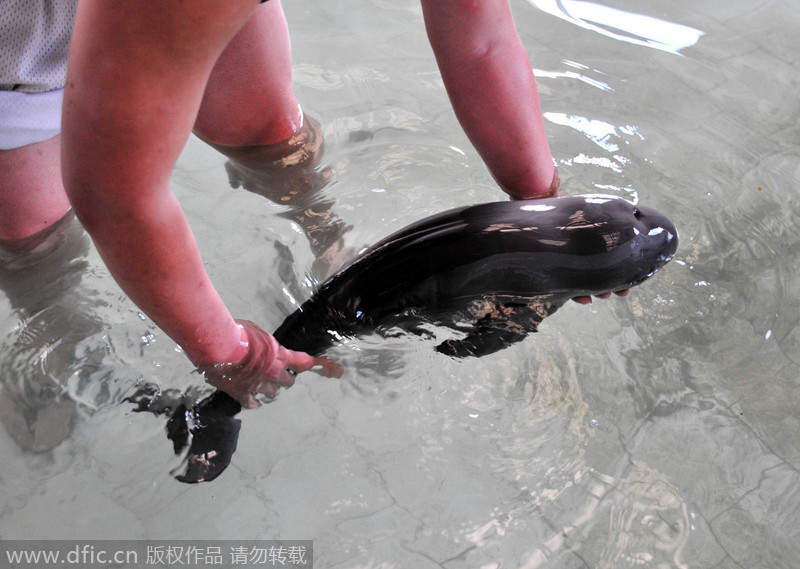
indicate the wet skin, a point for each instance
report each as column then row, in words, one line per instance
column 491, row 272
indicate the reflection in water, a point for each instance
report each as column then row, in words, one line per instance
column 636, row 29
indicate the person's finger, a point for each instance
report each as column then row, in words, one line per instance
column 588, row 299
column 247, row 400
column 298, row 361
column 328, row 367
column 270, row 389
column 266, row 368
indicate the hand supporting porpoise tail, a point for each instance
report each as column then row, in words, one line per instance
column 492, row 272
column 266, row 368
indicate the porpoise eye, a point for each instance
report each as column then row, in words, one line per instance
column 636, row 213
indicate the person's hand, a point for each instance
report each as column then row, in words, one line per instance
column 552, row 192
column 266, row 368
column 588, row 299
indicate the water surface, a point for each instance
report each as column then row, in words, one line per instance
column 653, row 431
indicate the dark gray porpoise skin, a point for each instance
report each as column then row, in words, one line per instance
column 493, row 271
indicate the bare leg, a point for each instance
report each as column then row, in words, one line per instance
column 249, row 99
column 250, row 113
column 33, row 197
column 38, row 358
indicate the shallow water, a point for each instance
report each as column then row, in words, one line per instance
column 653, row 431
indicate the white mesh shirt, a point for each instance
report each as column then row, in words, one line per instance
column 34, row 42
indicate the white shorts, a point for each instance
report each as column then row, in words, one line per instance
column 34, row 43
column 27, row 118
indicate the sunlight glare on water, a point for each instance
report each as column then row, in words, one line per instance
column 637, row 29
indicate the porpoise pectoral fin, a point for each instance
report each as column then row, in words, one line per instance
column 481, row 342
column 499, row 326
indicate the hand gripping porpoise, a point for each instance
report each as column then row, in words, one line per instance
column 490, row 272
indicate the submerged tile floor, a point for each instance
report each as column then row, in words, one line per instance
column 659, row 431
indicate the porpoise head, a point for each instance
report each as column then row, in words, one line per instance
column 603, row 243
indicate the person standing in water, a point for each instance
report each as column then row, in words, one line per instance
column 140, row 81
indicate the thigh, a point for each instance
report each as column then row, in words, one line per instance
column 135, row 81
column 32, row 196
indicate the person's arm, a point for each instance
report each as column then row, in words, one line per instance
column 491, row 85
column 135, row 83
